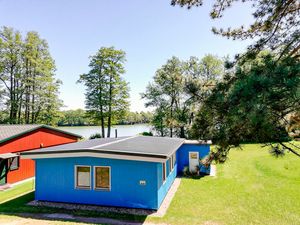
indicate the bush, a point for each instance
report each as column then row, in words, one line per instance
column 94, row 136
column 147, row 133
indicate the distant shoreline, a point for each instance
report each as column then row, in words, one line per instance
column 105, row 126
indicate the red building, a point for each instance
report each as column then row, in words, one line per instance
column 19, row 138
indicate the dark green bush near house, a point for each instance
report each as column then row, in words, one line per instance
column 94, row 136
column 147, row 133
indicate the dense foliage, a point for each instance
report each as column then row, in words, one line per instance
column 258, row 100
column 107, row 92
column 135, row 118
column 79, row 117
column 76, row 117
column 28, row 87
column 251, row 104
column 177, row 88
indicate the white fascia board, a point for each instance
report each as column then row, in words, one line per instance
column 92, row 154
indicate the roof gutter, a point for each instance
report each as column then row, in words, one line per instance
column 94, row 153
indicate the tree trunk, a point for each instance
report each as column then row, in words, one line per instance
column 108, row 126
column 182, row 133
column 101, row 115
column 161, row 128
column 27, row 95
column 33, row 99
column 11, row 96
column 109, row 107
column 102, row 125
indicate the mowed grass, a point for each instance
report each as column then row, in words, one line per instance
column 17, row 220
column 16, row 191
column 252, row 187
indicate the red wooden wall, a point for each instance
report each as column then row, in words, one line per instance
column 30, row 141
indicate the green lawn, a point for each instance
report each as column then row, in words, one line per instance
column 252, row 187
column 16, row 191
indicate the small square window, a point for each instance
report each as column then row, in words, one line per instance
column 102, row 177
column 83, row 177
column 14, row 163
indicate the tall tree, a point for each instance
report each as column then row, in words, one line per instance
column 11, row 65
column 107, row 92
column 252, row 104
column 41, row 88
column 275, row 28
column 177, row 89
column 27, row 71
column 166, row 90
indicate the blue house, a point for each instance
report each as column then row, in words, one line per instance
column 134, row 172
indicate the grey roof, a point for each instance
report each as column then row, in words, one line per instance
column 8, row 132
column 145, row 144
column 80, row 145
column 160, row 147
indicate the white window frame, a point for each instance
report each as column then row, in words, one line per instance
column 170, row 165
column 75, row 175
column 102, row 189
column 164, row 175
column 173, row 160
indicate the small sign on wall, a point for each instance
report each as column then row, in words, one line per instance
column 142, row 182
column 193, row 155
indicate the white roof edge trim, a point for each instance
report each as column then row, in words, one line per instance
column 209, row 142
column 92, row 154
column 8, row 155
column 99, row 149
column 113, row 142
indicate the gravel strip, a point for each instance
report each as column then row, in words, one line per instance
column 71, row 206
column 145, row 212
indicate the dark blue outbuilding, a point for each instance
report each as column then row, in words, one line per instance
column 134, row 172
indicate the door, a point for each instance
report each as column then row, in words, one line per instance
column 193, row 161
column 3, row 170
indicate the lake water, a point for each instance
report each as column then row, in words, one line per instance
column 123, row 130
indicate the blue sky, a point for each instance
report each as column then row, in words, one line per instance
column 149, row 31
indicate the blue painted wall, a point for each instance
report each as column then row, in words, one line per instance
column 183, row 155
column 164, row 187
column 55, row 182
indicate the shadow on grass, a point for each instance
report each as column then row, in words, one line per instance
column 194, row 177
column 18, row 207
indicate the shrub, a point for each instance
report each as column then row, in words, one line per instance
column 147, row 133
column 94, row 136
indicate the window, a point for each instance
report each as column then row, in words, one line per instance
column 102, row 177
column 14, row 163
column 172, row 161
column 164, row 172
column 83, row 177
column 170, row 165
